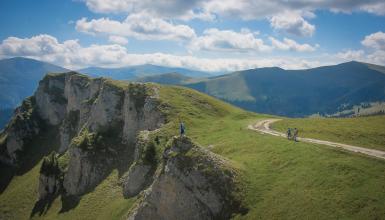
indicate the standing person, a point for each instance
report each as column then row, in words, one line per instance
column 181, row 128
column 288, row 133
column 295, row 134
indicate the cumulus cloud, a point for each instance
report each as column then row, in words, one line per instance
column 243, row 41
column 141, row 26
column 293, row 23
column 72, row 55
column 68, row 53
column 252, row 9
column 374, row 51
column 161, row 8
column 377, row 57
column 40, row 44
column 291, row 45
column 351, row 55
column 375, row 41
column 228, row 40
column 118, row 40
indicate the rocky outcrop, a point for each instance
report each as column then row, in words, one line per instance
column 140, row 174
column 24, row 125
column 50, row 179
column 193, row 184
column 136, row 179
column 50, row 99
column 85, row 171
column 114, row 112
column 48, row 185
column 101, row 125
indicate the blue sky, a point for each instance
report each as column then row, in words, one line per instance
column 214, row 35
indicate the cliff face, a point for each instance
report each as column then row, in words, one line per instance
column 192, row 184
column 84, row 108
column 104, row 125
column 22, row 128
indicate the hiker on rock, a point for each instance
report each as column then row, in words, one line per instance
column 181, row 128
column 288, row 133
column 295, row 134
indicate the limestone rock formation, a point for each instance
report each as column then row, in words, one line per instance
column 50, row 179
column 136, row 180
column 193, row 184
column 111, row 111
column 100, row 125
column 24, row 125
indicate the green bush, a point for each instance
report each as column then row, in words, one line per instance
column 50, row 165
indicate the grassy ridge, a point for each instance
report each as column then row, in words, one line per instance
column 283, row 179
column 287, row 180
column 363, row 131
column 280, row 179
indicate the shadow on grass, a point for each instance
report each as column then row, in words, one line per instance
column 34, row 150
column 42, row 205
column 69, row 202
column 7, row 173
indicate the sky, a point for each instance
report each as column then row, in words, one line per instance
column 208, row 35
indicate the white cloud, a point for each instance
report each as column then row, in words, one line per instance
column 141, row 26
column 251, row 9
column 228, row 40
column 289, row 44
column 293, row 23
column 375, row 41
column 377, row 57
column 374, row 51
column 118, row 40
column 351, row 55
column 71, row 54
column 68, row 53
column 243, row 41
column 161, row 8
column 40, row 44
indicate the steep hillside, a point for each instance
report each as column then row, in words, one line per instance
column 253, row 176
column 298, row 93
column 132, row 72
column 19, row 78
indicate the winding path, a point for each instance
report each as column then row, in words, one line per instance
column 263, row 126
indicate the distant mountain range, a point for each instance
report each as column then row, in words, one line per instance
column 133, row 72
column 296, row 93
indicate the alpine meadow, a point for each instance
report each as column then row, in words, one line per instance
column 192, row 110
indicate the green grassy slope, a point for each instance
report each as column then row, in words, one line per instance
column 166, row 79
column 281, row 179
column 362, row 131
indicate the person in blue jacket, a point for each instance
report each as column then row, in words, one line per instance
column 181, row 128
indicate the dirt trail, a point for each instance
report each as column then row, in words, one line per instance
column 263, row 126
